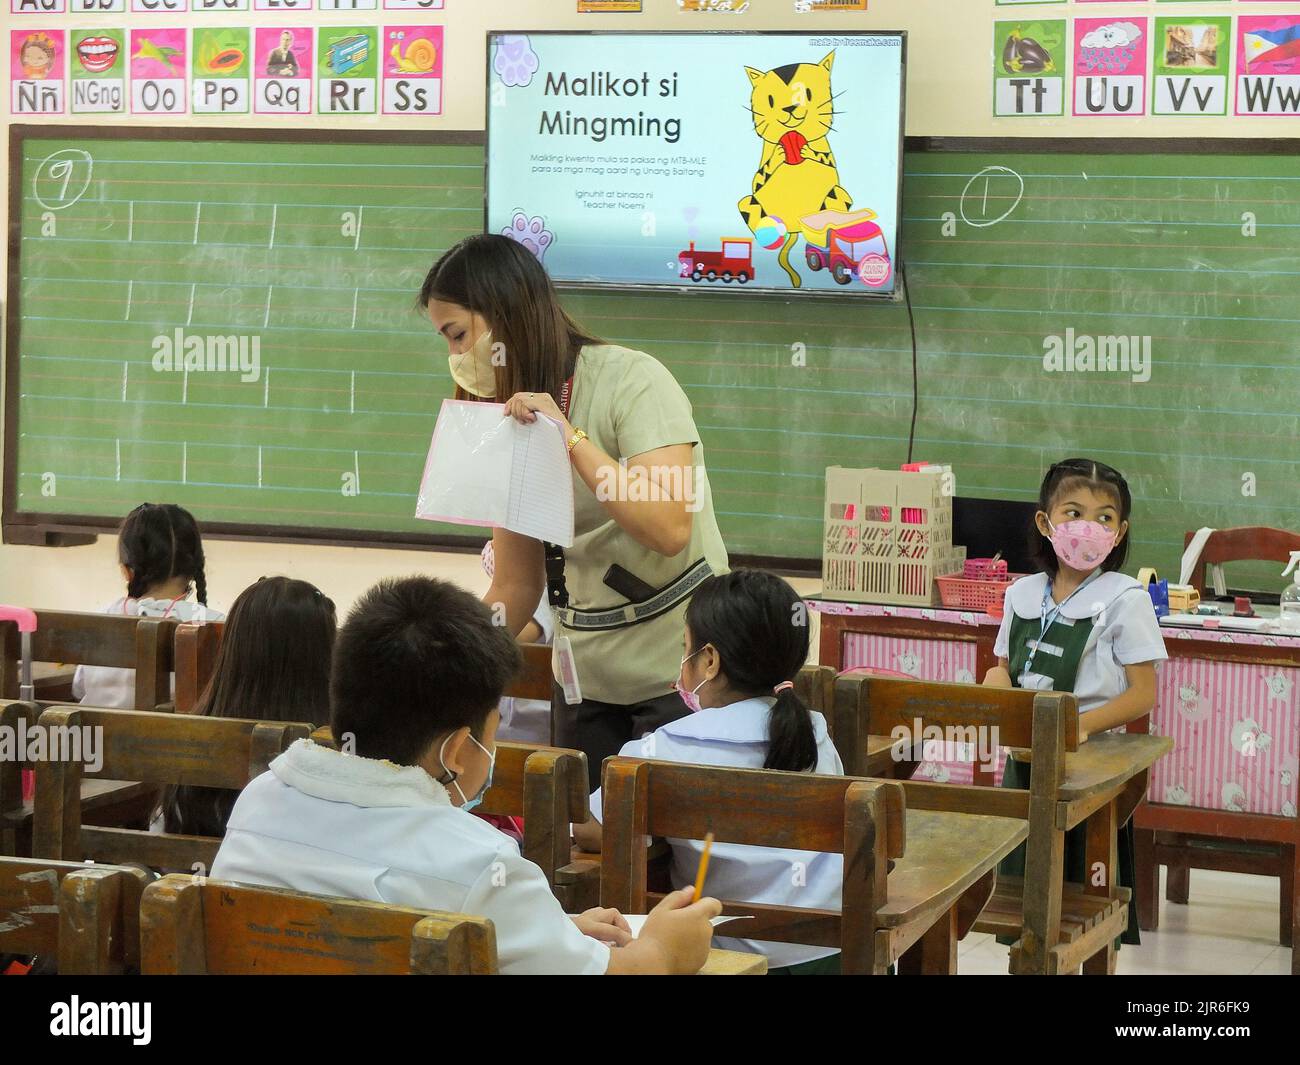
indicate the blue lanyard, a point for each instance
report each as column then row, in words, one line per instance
column 1047, row 618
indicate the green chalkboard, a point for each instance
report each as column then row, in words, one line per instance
column 316, row 246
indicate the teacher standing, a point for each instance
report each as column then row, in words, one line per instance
column 645, row 535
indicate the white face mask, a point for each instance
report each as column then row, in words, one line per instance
column 472, row 369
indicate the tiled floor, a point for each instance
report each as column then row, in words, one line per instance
column 1229, row 927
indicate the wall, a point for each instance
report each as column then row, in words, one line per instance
column 949, row 90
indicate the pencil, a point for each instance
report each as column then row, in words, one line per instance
column 704, row 866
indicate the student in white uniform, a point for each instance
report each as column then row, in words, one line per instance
column 160, row 553
column 525, row 720
column 418, row 669
column 746, row 638
column 1081, row 626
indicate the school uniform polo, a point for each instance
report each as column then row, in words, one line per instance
column 329, row 823
column 1108, row 623
column 628, row 403
column 736, row 735
column 114, row 689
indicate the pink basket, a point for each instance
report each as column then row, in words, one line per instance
column 960, row 593
column 985, row 569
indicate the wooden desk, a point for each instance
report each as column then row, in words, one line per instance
column 104, row 802
column 733, row 963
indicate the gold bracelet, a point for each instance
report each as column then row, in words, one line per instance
column 577, row 438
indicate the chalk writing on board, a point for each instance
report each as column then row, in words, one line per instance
column 987, row 192
column 62, row 178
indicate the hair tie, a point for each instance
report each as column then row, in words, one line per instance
column 785, row 685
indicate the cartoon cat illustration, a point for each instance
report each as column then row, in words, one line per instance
column 793, row 109
column 908, row 662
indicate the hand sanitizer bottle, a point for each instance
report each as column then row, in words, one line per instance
column 1289, row 614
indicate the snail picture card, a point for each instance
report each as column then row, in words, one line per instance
column 1030, row 60
column 411, row 69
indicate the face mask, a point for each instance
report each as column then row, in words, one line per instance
column 1082, row 545
column 468, row 804
column 473, row 369
column 690, row 698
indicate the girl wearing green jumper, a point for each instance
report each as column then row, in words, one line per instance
column 1081, row 626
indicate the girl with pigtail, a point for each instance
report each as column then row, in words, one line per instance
column 746, row 639
column 160, row 553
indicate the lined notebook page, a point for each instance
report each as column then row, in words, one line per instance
column 541, row 484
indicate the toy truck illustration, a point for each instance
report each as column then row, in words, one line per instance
column 735, row 262
column 849, row 245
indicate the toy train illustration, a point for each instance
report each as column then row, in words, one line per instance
column 848, row 244
column 735, row 262
column 348, row 52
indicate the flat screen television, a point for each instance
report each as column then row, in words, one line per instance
column 720, row 162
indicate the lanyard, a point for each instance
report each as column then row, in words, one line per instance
column 1047, row 618
column 565, row 392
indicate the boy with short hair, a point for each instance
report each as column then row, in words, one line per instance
column 418, row 672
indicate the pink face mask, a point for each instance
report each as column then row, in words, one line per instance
column 1082, row 545
column 690, row 698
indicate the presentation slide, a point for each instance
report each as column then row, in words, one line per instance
column 732, row 162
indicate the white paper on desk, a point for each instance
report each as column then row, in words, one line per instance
column 637, row 921
column 486, row 469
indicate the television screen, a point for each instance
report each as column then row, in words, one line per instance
column 726, row 162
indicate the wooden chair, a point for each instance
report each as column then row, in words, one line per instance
column 943, row 862
column 155, row 749
column 196, row 657
column 103, row 802
column 192, row 925
column 142, row 644
column 1187, row 838
column 815, row 686
column 1060, row 926
column 88, row 917
column 1245, row 544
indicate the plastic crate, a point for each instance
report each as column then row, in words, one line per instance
column 985, row 569
column 962, row 593
column 887, row 535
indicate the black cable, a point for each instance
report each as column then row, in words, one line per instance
column 916, row 392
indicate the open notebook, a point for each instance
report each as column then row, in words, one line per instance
column 489, row 470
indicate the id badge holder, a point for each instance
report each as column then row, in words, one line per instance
column 568, row 671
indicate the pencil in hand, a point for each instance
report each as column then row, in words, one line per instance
column 704, row 867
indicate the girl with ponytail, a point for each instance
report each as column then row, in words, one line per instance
column 746, row 639
column 160, row 553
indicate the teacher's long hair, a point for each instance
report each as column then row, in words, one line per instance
column 502, row 281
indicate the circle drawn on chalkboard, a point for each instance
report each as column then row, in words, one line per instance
column 978, row 193
column 58, row 172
